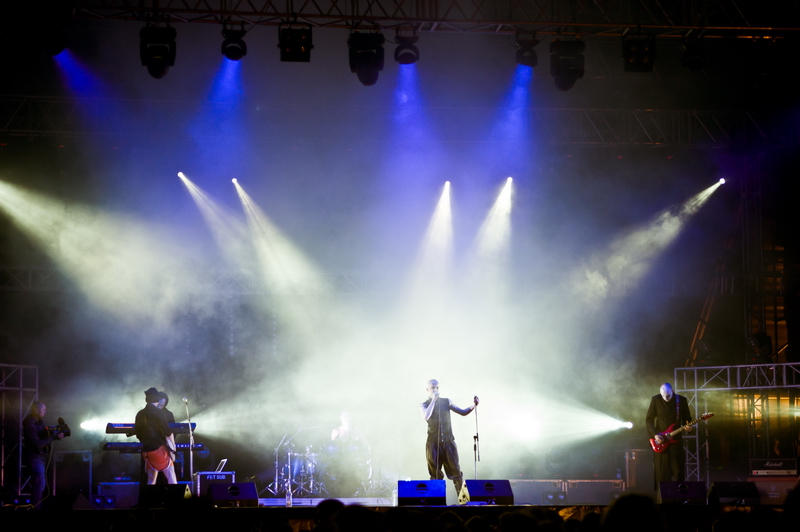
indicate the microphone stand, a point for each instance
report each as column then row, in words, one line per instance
column 476, row 445
column 191, row 441
column 439, row 437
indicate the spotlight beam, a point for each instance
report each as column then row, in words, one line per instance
column 489, row 258
column 123, row 265
column 631, row 256
column 229, row 233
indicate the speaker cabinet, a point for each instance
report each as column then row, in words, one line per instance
column 234, row 495
column 490, row 491
column 421, row 493
column 163, row 495
column 692, row 493
column 734, row 493
column 774, row 490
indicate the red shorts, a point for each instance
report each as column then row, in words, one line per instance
column 159, row 459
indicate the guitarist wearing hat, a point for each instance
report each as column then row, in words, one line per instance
column 668, row 409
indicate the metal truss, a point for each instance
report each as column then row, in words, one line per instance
column 746, row 377
column 19, row 388
column 722, row 18
column 249, row 282
column 214, row 281
column 755, row 379
column 326, row 283
column 243, row 282
column 719, row 284
column 38, row 116
column 34, row 279
column 653, row 127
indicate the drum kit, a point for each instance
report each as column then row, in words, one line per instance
column 332, row 469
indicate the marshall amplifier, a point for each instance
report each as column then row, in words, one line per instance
column 773, row 467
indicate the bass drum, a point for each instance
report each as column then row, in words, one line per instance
column 347, row 469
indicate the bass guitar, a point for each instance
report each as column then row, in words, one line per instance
column 667, row 437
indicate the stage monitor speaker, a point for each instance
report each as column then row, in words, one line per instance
column 163, row 495
column 117, row 494
column 490, row 492
column 421, row 493
column 774, row 490
column 234, row 495
column 72, row 477
column 692, row 493
column 734, row 494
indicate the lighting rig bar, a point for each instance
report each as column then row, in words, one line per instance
column 715, row 18
column 24, row 279
column 39, row 116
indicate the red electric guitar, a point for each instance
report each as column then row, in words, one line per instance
column 669, row 434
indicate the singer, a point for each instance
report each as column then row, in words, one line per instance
column 440, row 448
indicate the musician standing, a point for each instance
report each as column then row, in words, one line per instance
column 440, row 447
column 666, row 409
column 169, row 417
column 36, row 438
column 152, row 430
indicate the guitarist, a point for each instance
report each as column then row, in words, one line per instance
column 169, row 417
column 668, row 409
column 152, row 430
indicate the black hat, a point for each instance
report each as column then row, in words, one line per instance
column 151, row 395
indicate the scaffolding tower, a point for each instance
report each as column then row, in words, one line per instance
column 760, row 405
column 19, row 388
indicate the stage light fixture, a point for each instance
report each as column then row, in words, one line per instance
column 233, row 47
column 366, row 56
column 526, row 55
column 721, row 180
column 53, row 40
column 557, row 463
column 693, row 57
column 157, row 49
column 406, row 53
column 639, row 52
column 566, row 62
column 295, row 42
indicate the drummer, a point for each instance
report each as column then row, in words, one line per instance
column 345, row 437
column 348, row 467
column 345, row 432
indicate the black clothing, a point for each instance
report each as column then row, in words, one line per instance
column 151, row 428
column 36, row 437
column 169, row 417
column 36, row 440
column 440, row 447
column 439, row 422
column 669, row 465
